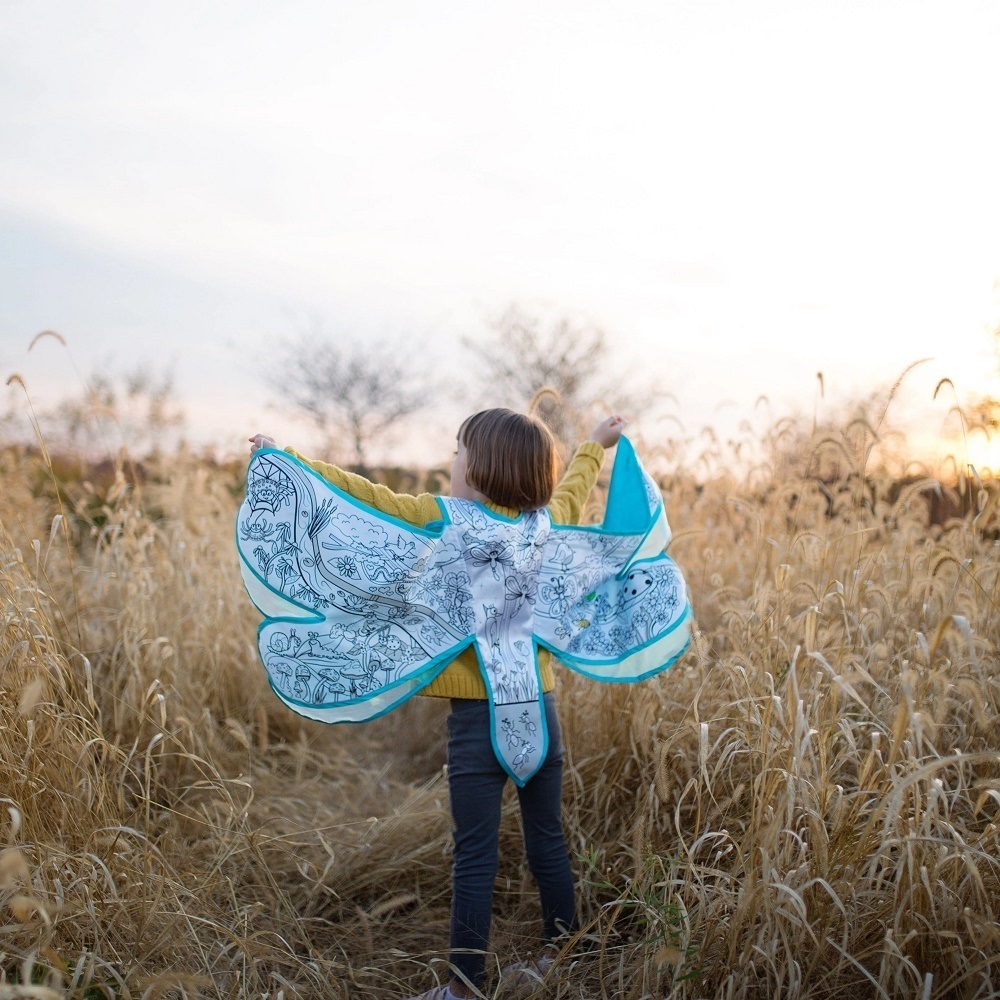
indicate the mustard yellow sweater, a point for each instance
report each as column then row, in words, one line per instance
column 461, row 678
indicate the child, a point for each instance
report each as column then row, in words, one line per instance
column 506, row 461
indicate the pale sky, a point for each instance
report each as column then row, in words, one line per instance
column 740, row 193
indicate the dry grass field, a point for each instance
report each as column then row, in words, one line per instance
column 806, row 806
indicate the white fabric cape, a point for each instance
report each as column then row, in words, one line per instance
column 363, row 610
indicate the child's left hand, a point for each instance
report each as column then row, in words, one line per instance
column 607, row 432
column 259, row 441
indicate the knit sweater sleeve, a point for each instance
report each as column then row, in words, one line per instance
column 417, row 510
column 571, row 494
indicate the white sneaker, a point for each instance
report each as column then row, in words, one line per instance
column 527, row 973
column 437, row 993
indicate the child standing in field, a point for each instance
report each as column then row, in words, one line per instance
column 505, row 461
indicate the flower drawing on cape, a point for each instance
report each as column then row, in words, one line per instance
column 355, row 603
column 559, row 593
column 502, row 682
column 495, row 554
column 280, row 561
column 310, row 597
column 285, row 567
column 455, row 590
column 642, row 620
column 602, row 608
column 426, row 586
column 462, row 617
column 596, row 641
column 520, row 588
column 621, row 636
column 347, row 566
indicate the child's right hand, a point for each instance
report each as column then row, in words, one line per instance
column 607, row 432
column 259, row 441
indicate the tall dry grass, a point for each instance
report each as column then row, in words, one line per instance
column 806, row 806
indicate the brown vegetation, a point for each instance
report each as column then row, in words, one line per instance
column 806, row 806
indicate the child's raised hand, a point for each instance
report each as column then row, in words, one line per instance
column 259, row 441
column 607, row 432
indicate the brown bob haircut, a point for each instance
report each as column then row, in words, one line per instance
column 510, row 458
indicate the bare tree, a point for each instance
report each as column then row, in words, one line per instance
column 136, row 409
column 133, row 409
column 523, row 354
column 354, row 392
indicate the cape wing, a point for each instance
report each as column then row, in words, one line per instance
column 611, row 604
column 361, row 610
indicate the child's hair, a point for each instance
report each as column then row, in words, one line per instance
column 509, row 457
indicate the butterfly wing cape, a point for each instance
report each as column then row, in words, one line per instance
column 363, row 610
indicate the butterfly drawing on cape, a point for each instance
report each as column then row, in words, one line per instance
column 363, row 610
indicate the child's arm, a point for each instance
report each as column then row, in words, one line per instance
column 571, row 494
column 418, row 510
